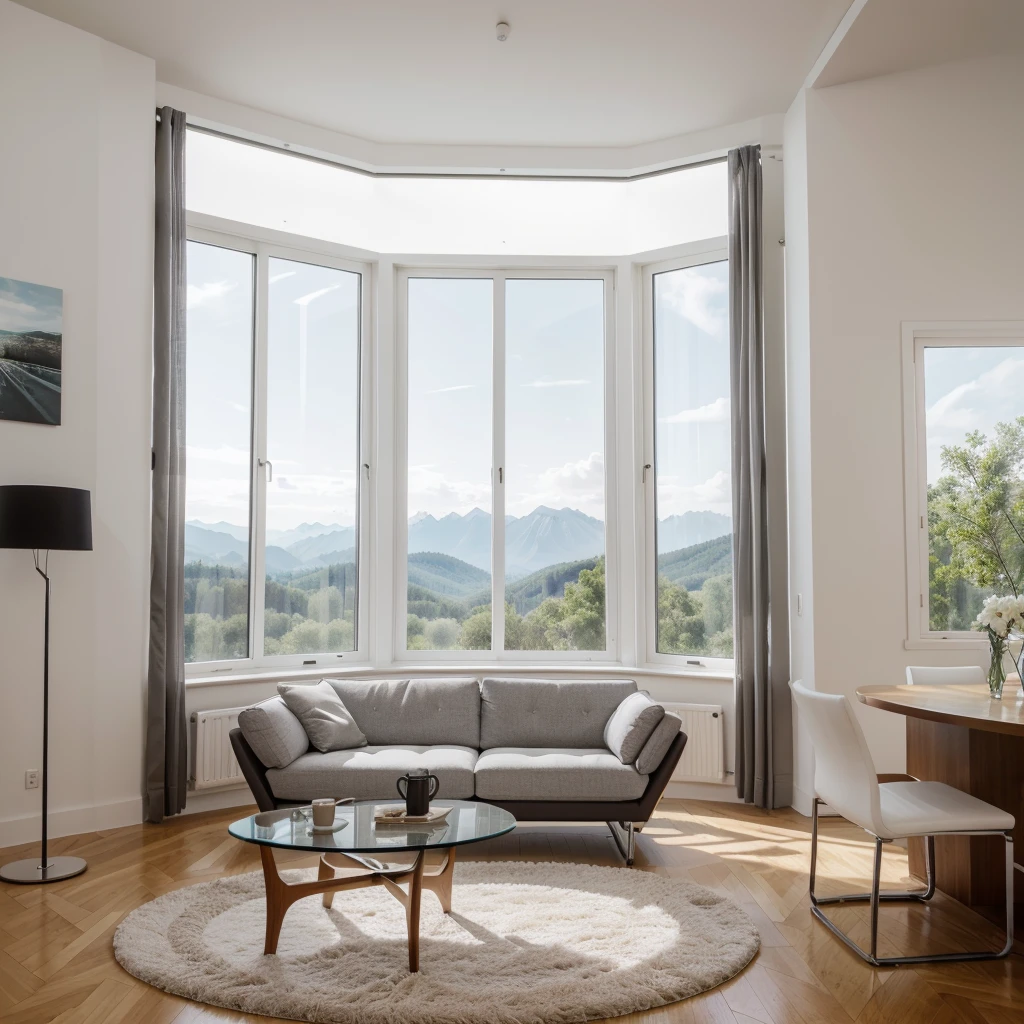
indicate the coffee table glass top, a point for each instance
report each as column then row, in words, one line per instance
column 468, row 821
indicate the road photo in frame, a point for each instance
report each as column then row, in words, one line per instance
column 31, row 318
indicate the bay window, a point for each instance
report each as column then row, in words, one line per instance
column 420, row 453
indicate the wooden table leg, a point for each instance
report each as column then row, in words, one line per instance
column 281, row 895
column 277, row 900
column 325, row 871
column 440, row 882
column 411, row 901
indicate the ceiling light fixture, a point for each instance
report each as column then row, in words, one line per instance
column 502, row 30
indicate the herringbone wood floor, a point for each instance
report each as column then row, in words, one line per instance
column 55, row 941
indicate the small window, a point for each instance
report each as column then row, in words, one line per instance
column 967, row 501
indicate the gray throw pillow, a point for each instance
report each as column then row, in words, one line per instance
column 326, row 720
column 274, row 733
column 631, row 725
column 656, row 747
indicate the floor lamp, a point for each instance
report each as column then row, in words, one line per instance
column 44, row 519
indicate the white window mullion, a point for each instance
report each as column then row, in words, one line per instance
column 498, row 472
column 260, row 469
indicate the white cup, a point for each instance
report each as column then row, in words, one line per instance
column 323, row 813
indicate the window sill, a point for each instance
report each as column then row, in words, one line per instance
column 952, row 643
column 403, row 669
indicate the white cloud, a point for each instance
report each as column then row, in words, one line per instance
column 454, row 387
column 15, row 306
column 439, row 494
column 695, row 296
column 280, row 277
column 992, row 397
column 716, row 412
column 713, row 495
column 715, row 490
column 555, row 383
column 202, row 294
column 578, row 485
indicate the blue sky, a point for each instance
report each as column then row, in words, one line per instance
column 692, row 417
column 969, row 388
column 554, row 392
column 29, row 307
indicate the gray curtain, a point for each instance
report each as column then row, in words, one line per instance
column 166, row 745
column 751, row 631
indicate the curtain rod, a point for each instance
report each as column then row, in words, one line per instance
column 332, row 162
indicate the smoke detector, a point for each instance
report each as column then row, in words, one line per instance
column 501, row 31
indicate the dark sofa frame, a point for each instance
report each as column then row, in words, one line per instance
column 624, row 817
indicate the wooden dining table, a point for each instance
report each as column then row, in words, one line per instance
column 961, row 736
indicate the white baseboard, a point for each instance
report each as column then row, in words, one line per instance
column 722, row 792
column 218, row 799
column 802, row 801
column 72, row 821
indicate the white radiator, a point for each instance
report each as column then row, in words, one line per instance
column 213, row 760
column 703, row 757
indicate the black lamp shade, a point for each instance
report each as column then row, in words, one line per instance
column 51, row 518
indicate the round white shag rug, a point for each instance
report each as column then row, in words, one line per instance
column 525, row 943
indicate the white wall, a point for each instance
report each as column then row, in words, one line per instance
column 76, row 212
column 905, row 204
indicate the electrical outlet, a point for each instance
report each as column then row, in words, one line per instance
column 32, row 778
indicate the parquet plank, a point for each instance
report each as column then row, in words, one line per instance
column 57, row 965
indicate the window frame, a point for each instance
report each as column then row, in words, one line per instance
column 264, row 248
column 700, row 253
column 499, row 274
column 916, row 337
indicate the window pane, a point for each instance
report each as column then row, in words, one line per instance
column 449, row 565
column 692, row 461
column 975, row 471
column 554, row 466
column 310, row 582
column 218, row 430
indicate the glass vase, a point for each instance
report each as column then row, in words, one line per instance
column 996, row 669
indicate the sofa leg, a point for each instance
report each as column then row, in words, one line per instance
column 625, row 839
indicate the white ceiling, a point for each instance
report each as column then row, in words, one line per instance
column 900, row 35
column 572, row 73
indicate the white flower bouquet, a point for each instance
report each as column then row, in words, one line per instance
column 999, row 618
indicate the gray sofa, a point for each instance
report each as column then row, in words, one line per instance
column 533, row 746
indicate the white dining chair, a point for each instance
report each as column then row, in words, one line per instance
column 845, row 779
column 957, row 675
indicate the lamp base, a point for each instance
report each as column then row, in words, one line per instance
column 32, row 872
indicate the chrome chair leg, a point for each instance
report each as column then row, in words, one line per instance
column 624, row 835
column 876, row 896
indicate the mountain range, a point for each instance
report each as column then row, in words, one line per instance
column 543, row 538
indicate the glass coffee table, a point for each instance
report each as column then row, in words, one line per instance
column 358, row 854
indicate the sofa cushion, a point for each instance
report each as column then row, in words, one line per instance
column 371, row 772
column 631, row 725
column 656, row 747
column 328, row 723
column 274, row 733
column 414, row 711
column 551, row 773
column 548, row 712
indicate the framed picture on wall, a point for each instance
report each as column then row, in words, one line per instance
column 31, row 317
